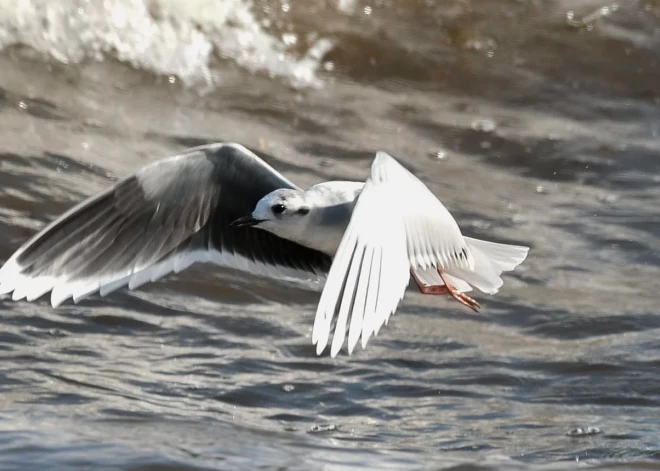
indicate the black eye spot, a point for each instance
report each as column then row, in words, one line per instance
column 302, row 211
column 278, row 208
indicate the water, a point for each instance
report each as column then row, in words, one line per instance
column 535, row 122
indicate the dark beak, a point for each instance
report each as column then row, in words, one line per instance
column 245, row 221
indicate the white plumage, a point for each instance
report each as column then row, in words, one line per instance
column 399, row 225
column 369, row 238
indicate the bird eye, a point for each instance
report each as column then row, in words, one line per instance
column 278, row 208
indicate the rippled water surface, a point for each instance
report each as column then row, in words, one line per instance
column 534, row 121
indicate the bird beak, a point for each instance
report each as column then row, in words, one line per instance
column 245, row 221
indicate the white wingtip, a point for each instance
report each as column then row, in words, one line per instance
column 60, row 293
column 84, row 289
column 15, row 287
column 8, row 274
column 320, row 346
column 18, row 286
column 382, row 158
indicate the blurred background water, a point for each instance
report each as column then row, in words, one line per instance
column 534, row 121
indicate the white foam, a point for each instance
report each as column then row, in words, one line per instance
column 168, row 37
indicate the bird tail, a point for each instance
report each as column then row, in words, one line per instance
column 490, row 260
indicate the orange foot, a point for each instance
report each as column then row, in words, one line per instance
column 446, row 288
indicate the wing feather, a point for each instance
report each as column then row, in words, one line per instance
column 372, row 297
column 365, row 279
column 398, row 225
column 162, row 219
column 348, row 299
column 361, row 297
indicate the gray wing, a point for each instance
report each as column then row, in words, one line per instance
column 162, row 219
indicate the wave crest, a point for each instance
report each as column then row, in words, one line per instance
column 168, row 37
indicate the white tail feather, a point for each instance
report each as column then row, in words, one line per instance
column 490, row 260
column 504, row 257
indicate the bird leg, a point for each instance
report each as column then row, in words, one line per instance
column 426, row 289
column 458, row 296
column 446, row 288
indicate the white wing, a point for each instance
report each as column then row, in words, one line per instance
column 397, row 224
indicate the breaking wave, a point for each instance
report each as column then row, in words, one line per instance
column 182, row 38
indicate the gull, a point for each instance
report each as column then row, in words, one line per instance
column 360, row 243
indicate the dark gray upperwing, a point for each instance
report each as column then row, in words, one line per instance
column 163, row 218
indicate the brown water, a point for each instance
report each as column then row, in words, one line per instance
column 535, row 122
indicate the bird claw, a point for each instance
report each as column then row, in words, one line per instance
column 458, row 296
column 466, row 300
column 449, row 289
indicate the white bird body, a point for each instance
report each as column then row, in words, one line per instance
column 365, row 239
column 331, row 206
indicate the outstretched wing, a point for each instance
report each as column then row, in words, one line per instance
column 397, row 224
column 162, row 219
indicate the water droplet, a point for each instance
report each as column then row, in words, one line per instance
column 171, row 79
column 583, row 431
column 289, row 39
column 346, row 6
column 609, row 198
column 22, row 105
column 288, row 387
column 480, row 224
column 483, row 125
column 367, row 10
column 322, row 428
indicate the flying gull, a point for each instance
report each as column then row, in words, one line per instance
column 361, row 242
